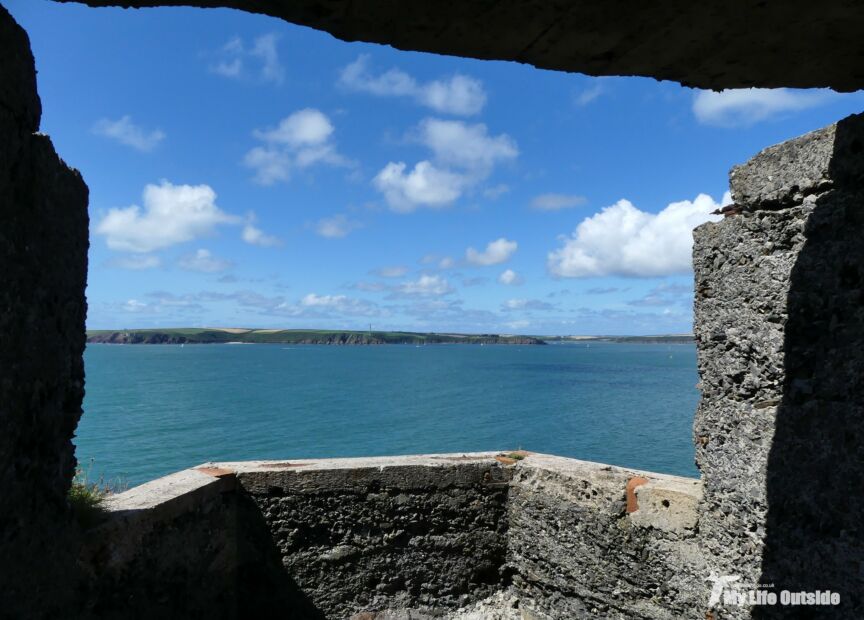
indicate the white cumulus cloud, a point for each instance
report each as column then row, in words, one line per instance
column 625, row 241
column 425, row 286
column 426, row 185
column 255, row 236
column 203, row 260
column 138, row 307
column 340, row 304
column 171, row 214
column 747, row 106
column 466, row 146
column 306, row 127
column 323, row 300
column 496, row 252
column 259, row 60
column 299, row 141
column 124, row 131
column 509, row 278
column 335, row 227
column 459, row 94
column 463, row 155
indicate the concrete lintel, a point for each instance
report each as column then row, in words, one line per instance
column 731, row 44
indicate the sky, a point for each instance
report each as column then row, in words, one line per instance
column 246, row 172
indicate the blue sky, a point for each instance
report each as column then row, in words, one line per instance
column 247, row 172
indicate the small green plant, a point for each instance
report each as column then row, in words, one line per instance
column 516, row 456
column 86, row 498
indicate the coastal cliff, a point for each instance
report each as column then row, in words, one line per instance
column 292, row 336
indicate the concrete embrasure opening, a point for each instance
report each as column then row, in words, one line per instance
column 778, row 326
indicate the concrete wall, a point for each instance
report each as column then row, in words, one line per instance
column 576, row 551
column 399, row 537
column 425, row 533
column 189, row 545
column 780, row 330
column 43, row 269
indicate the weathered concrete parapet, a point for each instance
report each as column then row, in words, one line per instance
column 576, row 552
column 369, row 534
column 397, row 537
column 189, row 545
column 780, row 333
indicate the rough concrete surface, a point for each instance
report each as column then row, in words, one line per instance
column 396, row 533
column 575, row 552
column 43, row 270
column 458, row 536
column 780, row 333
column 713, row 44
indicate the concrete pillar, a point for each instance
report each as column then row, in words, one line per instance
column 43, row 273
column 780, row 332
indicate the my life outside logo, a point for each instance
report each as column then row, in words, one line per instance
column 727, row 590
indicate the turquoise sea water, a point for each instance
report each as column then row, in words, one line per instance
column 151, row 410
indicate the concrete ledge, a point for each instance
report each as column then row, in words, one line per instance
column 140, row 512
column 664, row 501
column 412, row 471
column 175, row 494
column 170, row 495
column 589, row 482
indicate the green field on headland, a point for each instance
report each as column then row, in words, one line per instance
column 183, row 335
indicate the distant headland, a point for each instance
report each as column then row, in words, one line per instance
column 224, row 335
column 656, row 339
column 228, row 335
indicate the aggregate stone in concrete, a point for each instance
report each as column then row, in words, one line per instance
column 780, row 333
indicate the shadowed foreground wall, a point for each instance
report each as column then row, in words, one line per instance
column 43, row 270
column 382, row 533
column 780, row 330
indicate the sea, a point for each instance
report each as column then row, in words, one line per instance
column 151, row 410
